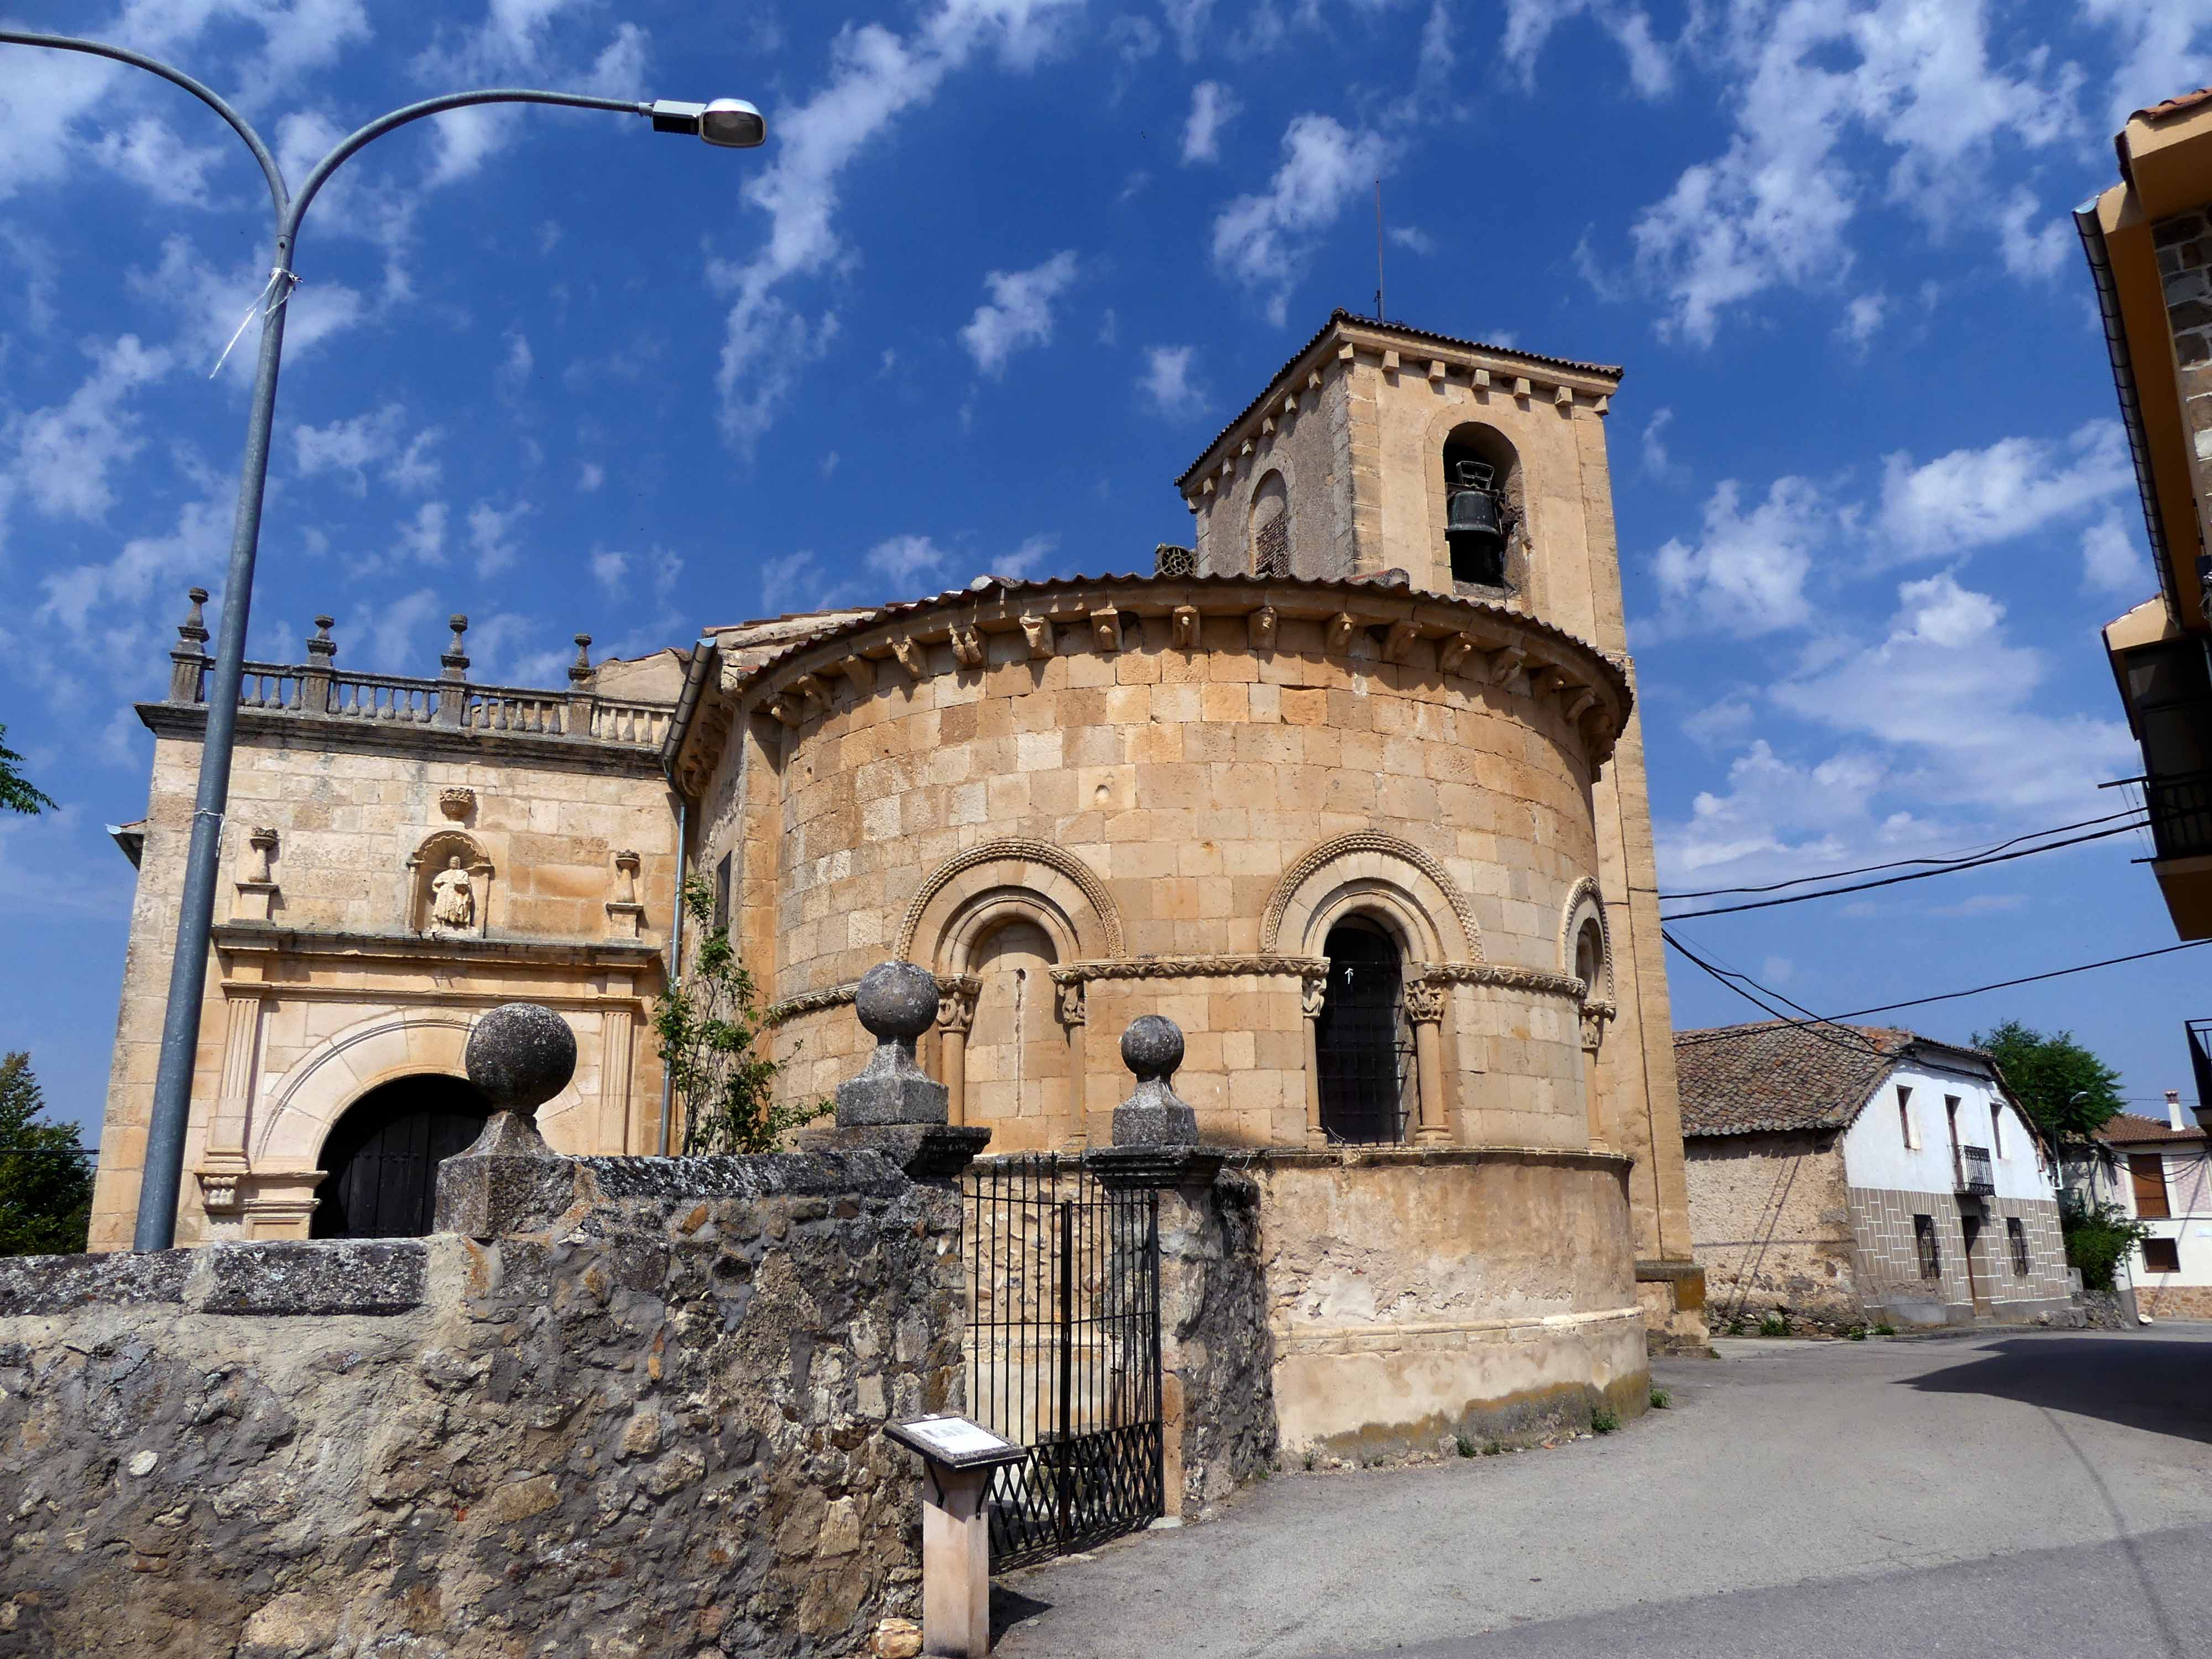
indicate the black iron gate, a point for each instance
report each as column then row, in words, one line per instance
column 1064, row 1352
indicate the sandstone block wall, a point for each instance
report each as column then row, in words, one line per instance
column 1419, row 1296
column 655, row 1430
column 1888, row 1263
column 340, row 949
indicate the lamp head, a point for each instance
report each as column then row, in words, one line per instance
column 732, row 124
column 727, row 123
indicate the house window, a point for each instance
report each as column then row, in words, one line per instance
column 2148, row 1171
column 1924, row 1238
column 1904, row 1117
column 2016, row 1236
column 1951, row 1119
column 2161, row 1255
column 1997, row 1130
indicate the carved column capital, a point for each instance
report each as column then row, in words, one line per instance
column 1425, row 1002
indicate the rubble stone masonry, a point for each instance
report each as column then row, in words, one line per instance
column 652, row 1430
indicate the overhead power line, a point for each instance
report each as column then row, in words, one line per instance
column 1916, row 875
column 1851, row 1042
column 1912, row 1002
column 1901, row 864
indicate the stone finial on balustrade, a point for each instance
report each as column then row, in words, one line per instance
column 452, row 703
column 190, row 658
column 581, row 676
column 893, row 1105
column 315, row 681
column 1154, row 1115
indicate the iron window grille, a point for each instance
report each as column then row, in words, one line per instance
column 2016, row 1236
column 1923, row 1239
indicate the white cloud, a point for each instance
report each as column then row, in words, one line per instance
column 516, row 41
column 2167, row 49
column 514, row 374
column 1771, row 211
column 1212, row 106
column 589, row 477
column 608, row 569
column 60, row 457
column 210, row 303
column 2033, row 252
column 193, row 550
column 1414, row 239
column 1975, row 497
column 1656, row 462
column 349, row 448
column 1188, row 18
column 491, row 533
column 1862, row 319
column 876, row 77
column 2111, row 561
column 1167, row 382
column 172, row 171
column 1263, row 240
column 397, row 637
column 780, row 581
column 1019, row 313
column 1025, row 560
column 1746, row 575
column 1530, row 23
column 423, row 537
column 906, row 560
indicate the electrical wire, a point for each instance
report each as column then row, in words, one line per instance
column 1899, row 864
column 1916, row 1002
column 1856, row 1042
column 1917, row 875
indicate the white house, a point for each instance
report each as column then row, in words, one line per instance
column 2157, row 1173
column 1851, row 1174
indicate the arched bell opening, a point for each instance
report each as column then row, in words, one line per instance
column 1363, row 1040
column 382, row 1157
column 1270, row 532
column 1483, row 508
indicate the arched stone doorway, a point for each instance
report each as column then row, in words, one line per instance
column 1363, row 1042
column 383, row 1154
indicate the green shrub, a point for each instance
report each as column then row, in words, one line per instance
column 1660, row 1398
column 1855, row 1333
column 1885, row 1328
column 2098, row 1239
column 1467, row 1447
column 1604, row 1420
column 1774, row 1325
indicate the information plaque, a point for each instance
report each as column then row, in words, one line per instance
column 954, row 1441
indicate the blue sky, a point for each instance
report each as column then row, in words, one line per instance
column 1003, row 267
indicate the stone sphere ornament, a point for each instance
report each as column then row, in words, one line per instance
column 1153, row 1046
column 520, row 1055
column 896, row 1000
column 1154, row 1115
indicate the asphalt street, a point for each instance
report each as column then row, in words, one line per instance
column 2030, row 1494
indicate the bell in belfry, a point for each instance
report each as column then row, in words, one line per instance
column 1474, row 530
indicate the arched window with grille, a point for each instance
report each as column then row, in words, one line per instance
column 1363, row 1040
column 1271, row 527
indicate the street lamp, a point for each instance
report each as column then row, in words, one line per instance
column 727, row 122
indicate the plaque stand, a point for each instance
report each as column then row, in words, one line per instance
column 955, row 1531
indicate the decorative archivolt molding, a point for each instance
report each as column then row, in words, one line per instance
column 1014, row 851
column 1368, row 841
column 1587, row 889
column 1216, row 967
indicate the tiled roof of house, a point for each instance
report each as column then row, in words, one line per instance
column 2176, row 105
column 2130, row 1130
column 1774, row 1075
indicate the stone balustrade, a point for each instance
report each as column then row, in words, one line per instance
column 318, row 689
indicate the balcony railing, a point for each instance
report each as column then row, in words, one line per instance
column 1972, row 1166
column 319, row 690
column 2180, row 807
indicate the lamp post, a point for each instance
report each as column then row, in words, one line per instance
column 727, row 122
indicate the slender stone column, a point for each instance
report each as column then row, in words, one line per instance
column 617, row 1029
column 1311, row 994
column 1594, row 1017
column 1425, row 1006
column 956, row 1018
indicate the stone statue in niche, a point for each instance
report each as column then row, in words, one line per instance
column 452, row 899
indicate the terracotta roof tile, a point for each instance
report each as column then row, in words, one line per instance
column 2175, row 106
column 1770, row 1076
column 2130, row 1130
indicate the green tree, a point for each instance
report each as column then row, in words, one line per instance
column 45, row 1176
column 2067, row 1089
column 16, row 794
column 2098, row 1237
column 708, row 1024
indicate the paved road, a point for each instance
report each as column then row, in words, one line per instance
column 2033, row 1494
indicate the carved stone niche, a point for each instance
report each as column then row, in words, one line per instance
column 448, row 889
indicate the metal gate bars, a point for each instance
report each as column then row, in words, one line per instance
column 1064, row 1352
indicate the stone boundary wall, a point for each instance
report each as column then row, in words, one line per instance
column 1773, row 1224
column 651, row 1429
column 2175, row 1301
